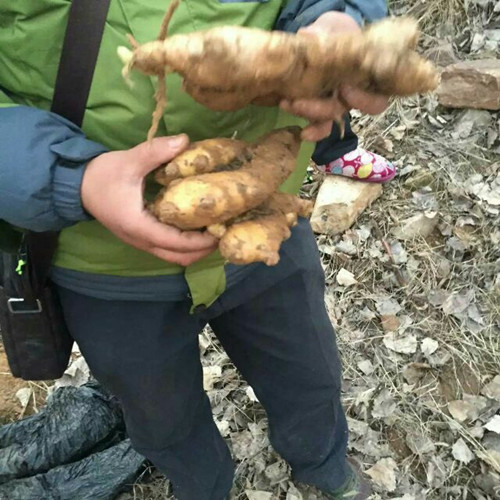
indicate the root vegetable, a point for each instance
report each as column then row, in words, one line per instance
column 228, row 67
column 257, row 235
column 211, row 155
column 202, row 200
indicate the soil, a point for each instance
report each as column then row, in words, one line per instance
column 10, row 407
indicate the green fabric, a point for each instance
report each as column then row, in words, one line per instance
column 119, row 116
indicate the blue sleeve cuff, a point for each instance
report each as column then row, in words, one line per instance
column 66, row 194
column 74, row 154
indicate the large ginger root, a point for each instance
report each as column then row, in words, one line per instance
column 210, row 155
column 202, row 200
column 257, row 235
column 228, row 67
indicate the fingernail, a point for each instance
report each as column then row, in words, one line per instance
column 176, row 141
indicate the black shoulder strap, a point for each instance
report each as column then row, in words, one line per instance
column 78, row 57
column 74, row 78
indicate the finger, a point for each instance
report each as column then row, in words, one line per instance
column 317, row 131
column 154, row 234
column 181, row 258
column 150, row 155
column 315, row 110
column 373, row 104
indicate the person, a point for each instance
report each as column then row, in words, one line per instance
column 136, row 293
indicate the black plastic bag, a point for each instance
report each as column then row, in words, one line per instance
column 101, row 476
column 76, row 422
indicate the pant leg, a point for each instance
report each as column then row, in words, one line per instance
column 147, row 354
column 333, row 147
column 283, row 342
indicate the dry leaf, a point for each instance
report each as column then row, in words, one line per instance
column 293, row 493
column 419, row 442
column 403, row 345
column 276, row 472
column 383, row 474
column 223, row 426
column 429, row 346
column 251, row 395
column 494, row 424
column 389, row 322
column 456, row 304
column 346, row 278
column 461, row 452
column 24, row 396
column 366, row 366
column 258, row 495
column 468, row 408
column 492, row 390
column 418, row 225
column 77, row 374
column 414, row 372
column 386, row 306
column 384, row 405
column 437, row 472
column 491, row 457
column 211, row 374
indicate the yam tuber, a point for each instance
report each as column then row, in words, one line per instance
column 228, row 67
column 210, row 155
column 257, row 235
column 230, row 188
column 202, row 200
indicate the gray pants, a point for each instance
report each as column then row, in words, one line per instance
column 275, row 329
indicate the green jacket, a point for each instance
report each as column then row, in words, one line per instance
column 118, row 116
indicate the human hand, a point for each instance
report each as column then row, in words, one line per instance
column 321, row 113
column 112, row 191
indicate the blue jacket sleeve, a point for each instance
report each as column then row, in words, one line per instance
column 42, row 160
column 300, row 13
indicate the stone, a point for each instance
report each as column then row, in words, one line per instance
column 471, row 84
column 339, row 203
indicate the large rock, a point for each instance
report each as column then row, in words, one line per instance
column 471, row 84
column 339, row 203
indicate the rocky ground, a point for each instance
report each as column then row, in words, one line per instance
column 413, row 289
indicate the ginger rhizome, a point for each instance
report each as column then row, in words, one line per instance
column 229, row 67
column 229, row 187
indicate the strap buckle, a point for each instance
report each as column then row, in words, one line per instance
column 20, row 306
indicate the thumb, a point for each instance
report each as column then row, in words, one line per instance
column 150, row 155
